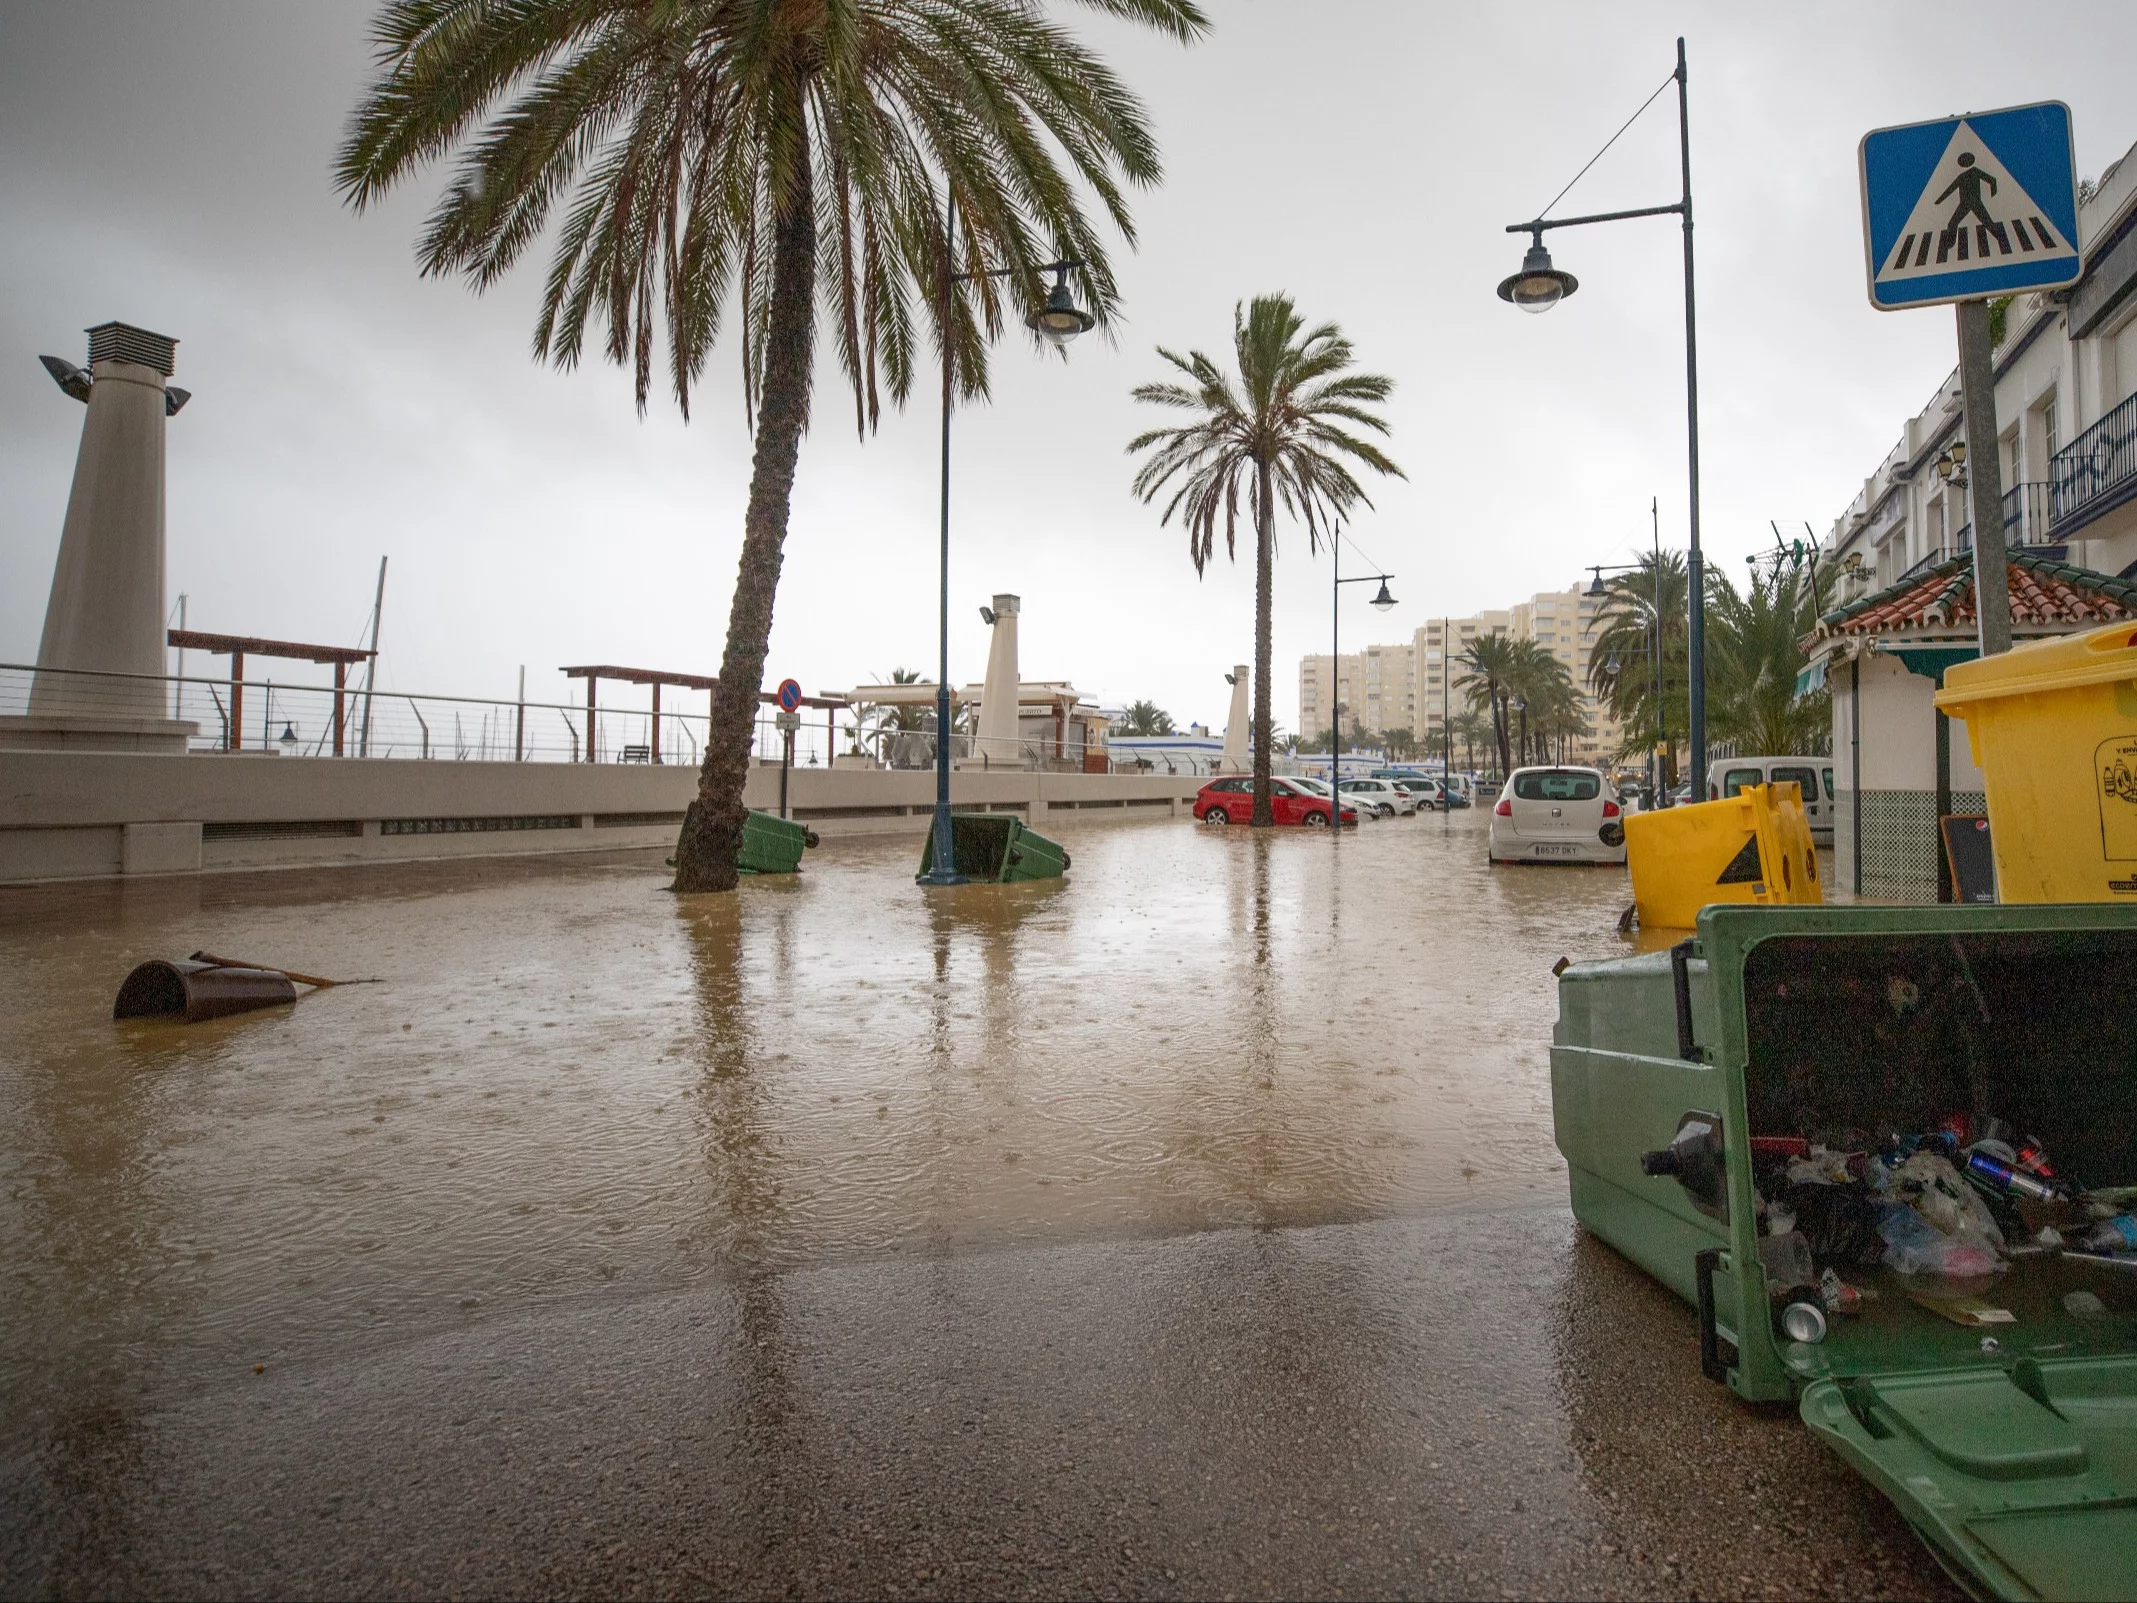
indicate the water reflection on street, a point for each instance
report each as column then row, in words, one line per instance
column 570, row 1085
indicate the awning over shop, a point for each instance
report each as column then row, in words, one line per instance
column 1931, row 661
column 1811, row 680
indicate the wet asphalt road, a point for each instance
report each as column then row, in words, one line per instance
column 1469, row 1406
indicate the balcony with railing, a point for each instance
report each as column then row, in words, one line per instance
column 2026, row 518
column 2096, row 472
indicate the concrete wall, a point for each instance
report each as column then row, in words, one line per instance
column 68, row 815
column 1900, row 849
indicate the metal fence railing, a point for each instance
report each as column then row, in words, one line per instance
column 2025, row 523
column 2097, row 461
column 267, row 715
column 295, row 719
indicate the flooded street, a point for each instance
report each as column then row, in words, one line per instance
column 568, row 1083
column 578, row 1126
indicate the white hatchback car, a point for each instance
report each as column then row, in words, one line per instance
column 1384, row 796
column 1557, row 815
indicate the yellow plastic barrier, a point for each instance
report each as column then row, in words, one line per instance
column 1754, row 846
column 2053, row 726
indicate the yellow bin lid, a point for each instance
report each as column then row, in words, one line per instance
column 2068, row 662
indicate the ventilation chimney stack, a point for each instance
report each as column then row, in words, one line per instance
column 106, row 612
column 1240, row 723
column 998, row 698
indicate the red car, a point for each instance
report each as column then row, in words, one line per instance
column 1231, row 801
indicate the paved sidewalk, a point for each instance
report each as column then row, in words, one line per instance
column 1463, row 1406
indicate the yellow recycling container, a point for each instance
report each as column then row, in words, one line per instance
column 1754, row 846
column 2053, row 725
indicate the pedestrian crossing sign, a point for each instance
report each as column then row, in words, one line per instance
column 1966, row 207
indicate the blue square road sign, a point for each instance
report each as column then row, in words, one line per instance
column 1965, row 207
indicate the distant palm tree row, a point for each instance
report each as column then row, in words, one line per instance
column 1528, row 695
column 1754, row 653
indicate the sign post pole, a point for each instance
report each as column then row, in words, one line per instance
column 786, row 720
column 1984, row 477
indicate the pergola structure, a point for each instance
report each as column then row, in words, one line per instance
column 238, row 647
column 594, row 672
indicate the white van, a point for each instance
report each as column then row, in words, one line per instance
column 1728, row 775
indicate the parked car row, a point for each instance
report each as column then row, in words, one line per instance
column 1298, row 800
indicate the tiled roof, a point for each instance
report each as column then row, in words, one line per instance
column 2045, row 594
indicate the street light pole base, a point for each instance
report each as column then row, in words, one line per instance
column 932, row 878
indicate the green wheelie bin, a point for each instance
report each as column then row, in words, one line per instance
column 998, row 848
column 1889, row 1153
column 771, row 844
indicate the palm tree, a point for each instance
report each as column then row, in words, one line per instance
column 1281, row 434
column 1755, row 654
column 1550, row 706
column 875, row 719
column 1469, row 728
column 757, row 160
column 1490, row 663
column 1145, row 718
column 1621, row 661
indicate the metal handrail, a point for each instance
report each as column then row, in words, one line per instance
column 2095, row 462
column 2025, row 523
column 508, row 729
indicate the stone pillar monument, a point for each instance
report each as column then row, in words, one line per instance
column 106, row 612
column 1240, row 724
column 998, row 700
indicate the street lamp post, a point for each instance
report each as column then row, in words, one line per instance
column 1539, row 286
column 1059, row 320
column 1379, row 603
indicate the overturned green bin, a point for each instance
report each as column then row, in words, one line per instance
column 771, row 844
column 1769, row 1118
column 998, row 848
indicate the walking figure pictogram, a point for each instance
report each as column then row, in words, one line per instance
column 1967, row 186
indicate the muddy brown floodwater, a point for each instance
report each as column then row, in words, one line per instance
column 572, row 1097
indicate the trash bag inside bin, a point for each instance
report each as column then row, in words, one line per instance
column 1973, row 1095
column 1947, row 1122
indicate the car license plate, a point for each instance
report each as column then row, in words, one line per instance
column 1557, row 849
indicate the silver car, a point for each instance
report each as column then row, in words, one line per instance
column 1557, row 815
column 1383, row 796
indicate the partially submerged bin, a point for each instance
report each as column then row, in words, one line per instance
column 2010, row 1445
column 771, row 844
column 2053, row 726
column 997, row 847
column 1754, row 846
column 193, row 991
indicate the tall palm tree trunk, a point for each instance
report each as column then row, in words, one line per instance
column 712, row 828
column 1264, row 585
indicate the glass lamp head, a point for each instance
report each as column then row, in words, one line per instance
column 1538, row 286
column 1060, row 319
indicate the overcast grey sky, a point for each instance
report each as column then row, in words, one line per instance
column 167, row 163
